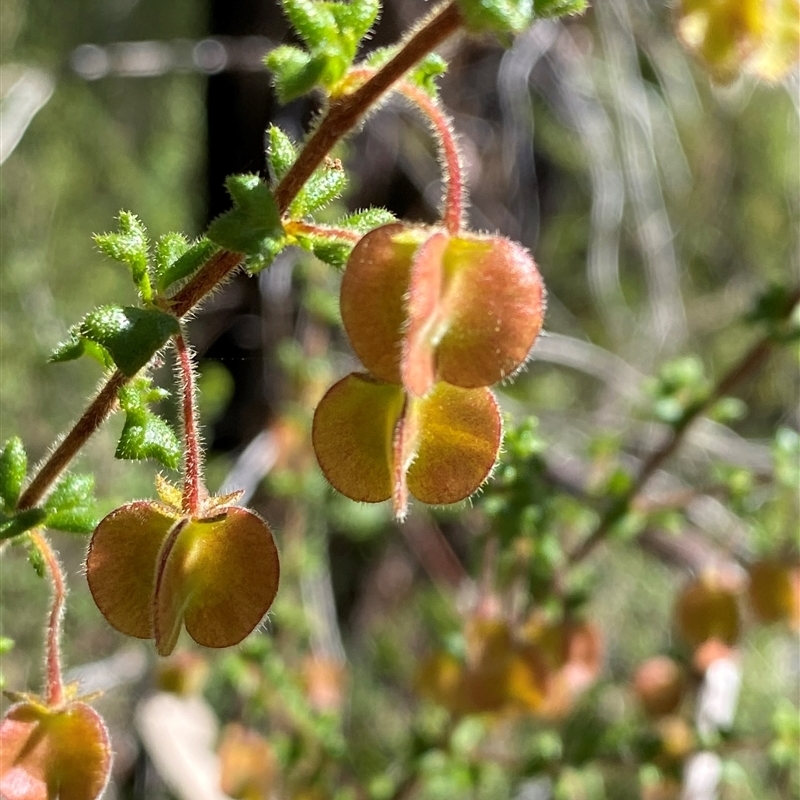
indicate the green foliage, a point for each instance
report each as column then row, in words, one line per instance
column 176, row 259
column 424, row 74
column 253, row 226
column 680, row 385
column 145, row 434
column 281, row 153
column 323, row 187
column 129, row 246
column 364, row 221
column 128, row 336
column 332, row 31
column 13, row 469
column 558, row 8
column 71, row 505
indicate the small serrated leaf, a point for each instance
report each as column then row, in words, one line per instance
column 16, row 524
column 315, row 24
column 186, row 265
column 281, row 153
column 70, row 349
column 366, row 220
column 355, row 18
column 72, row 491
column 145, row 435
column 73, row 520
column 330, row 251
column 169, row 247
column 322, row 188
column 131, row 247
column 496, row 16
column 253, row 226
column 131, row 335
column 13, row 469
column 295, row 72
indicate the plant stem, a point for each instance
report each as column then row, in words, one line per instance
column 300, row 228
column 748, row 364
column 193, row 487
column 54, row 691
column 95, row 415
column 453, row 212
column 346, row 112
column 343, row 115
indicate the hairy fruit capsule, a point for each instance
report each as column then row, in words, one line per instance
column 152, row 569
column 48, row 753
column 374, row 442
column 420, row 305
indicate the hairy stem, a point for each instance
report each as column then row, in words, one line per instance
column 54, row 691
column 346, row 112
column 299, row 228
column 748, row 364
column 342, row 117
column 95, row 415
column 193, row 487
column 453, row 212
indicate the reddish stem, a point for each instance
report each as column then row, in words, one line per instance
column 55, row 684
column 298, row 228
column 453, row 212
column 193, row 489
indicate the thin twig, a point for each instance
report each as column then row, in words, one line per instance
column 748, row 364
column 55, row 684
column 344, row 114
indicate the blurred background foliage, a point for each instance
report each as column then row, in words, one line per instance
column 658, row 206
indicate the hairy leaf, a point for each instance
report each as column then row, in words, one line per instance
column 253, row 226
column 130, row 335
column 13, row 468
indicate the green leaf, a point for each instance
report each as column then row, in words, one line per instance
column 366, row 220
column 185, row 265
column 331, row 251
column 323, row 187
column 558, row 8
column 355, row 19
column 145, row 435
column 13, row 469
column 129, row 246
column 497, row 16
column 313, row 21
column 281, row 153
column 295, row 72
column 16, row 524
column 71, row 506
column 76, row 346
column 253, row 226
column 424, row 74
column 130, row 335
column 169, row 248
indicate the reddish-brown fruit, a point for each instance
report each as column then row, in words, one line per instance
column 420, row 305
column 658, row 684
column 248, row 764
column 774, row 592
column 150, row 570
column 53, row 754
column 373, row 443
column 708, row 608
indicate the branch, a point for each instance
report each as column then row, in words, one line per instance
column 343, row 115
column 747, row 365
